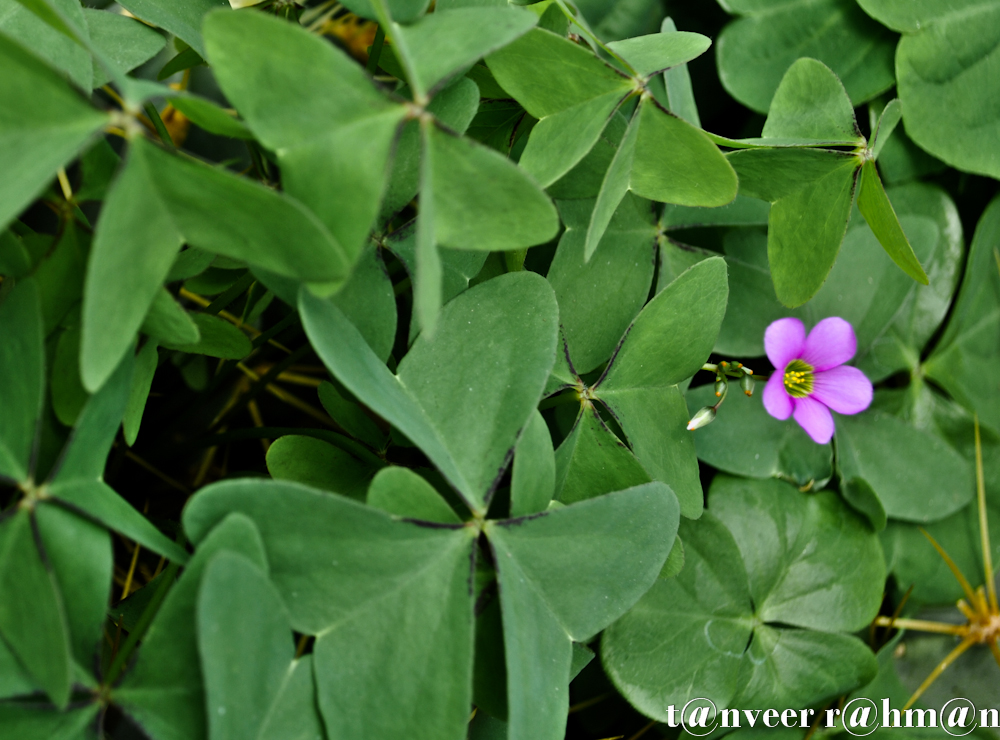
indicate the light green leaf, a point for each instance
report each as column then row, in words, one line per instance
column 160, row 201
column 403, row 493
column 773, row 174
column 555, row 575
column 614, row 186
column 182, row 18
column 163, row 692
column 483, row 201
column 319, row 464
column 368, row 300
column 775, row 449
column 295, row 715
column 445, row 42
column 403, row 11
column 428, row 275
column 44, row 124
column 127, row 43
column 657, row 52
column 599, row 298
column 245, row 645
column 534, row 475
column 592, row 461
column 22, row 379
column 333, row 149
column 32, row 618
column 875, row 207
column 887, row 122
column 755, row 51
column 367, row 574
column 673, row 335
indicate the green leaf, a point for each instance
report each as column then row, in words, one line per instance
column 319, row 464
column 592, row 461
column 22, row 380
column 599, row 298
column 773, row 174
column 348, row 573
column 403, row 11
column 368, row 300
column 60, row 276
column 755, row 51
column 673, row 335
column 657, row 52
column 245, row 644
column 677, row 81
column 810, row 561
column 687, row 636
column 183, row 18
column 163, row 692
column 548, row 74
column 32, row 619
column 168, row 322
column 333, row 149
column 211, row 117
column 677, row 163
column 126, row 42
column 350, row 416
column 79, row 554
column 160, row 201
column 142, row 380
column 31, row 721
column 944, row 109
column 915, row 474
column 811, row 103
column 555, row 572
column 443, row 43
column 655, row 422
column 403, row 493
column 21, row 23
column 963, row 363
column 483, row 201
column 887, row 122
column 775, row 449
column 295, row 714
column 614, row 186
column 875, row 207
column 68, row 394
column 805, row 231
column 217, row 338
column 534, row 474
column 499, row 340
column 45, row 124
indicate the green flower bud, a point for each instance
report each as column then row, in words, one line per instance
column 720, row 387
column 746, row 383
column 704, row 417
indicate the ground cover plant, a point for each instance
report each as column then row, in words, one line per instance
column 468, row 369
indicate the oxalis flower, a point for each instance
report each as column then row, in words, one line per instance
column 810, row 378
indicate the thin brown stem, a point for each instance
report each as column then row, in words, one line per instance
column 921, row 625
column 984, row 523
column 966, row 587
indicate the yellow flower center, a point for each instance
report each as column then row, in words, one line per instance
column 798, row 379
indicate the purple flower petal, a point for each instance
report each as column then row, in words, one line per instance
column 815, row 418
column 776, row 399
column 830, row 343
column 783, row 342
column 844, row 389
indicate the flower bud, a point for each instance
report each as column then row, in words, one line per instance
column 720, row 387
column 746, row 383
column 704, row 417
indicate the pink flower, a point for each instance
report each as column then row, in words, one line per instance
column 810, row 377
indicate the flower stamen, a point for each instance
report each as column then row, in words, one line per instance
column 798, row 379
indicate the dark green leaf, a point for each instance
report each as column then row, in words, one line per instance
column 22, row 380
column 217, row 338
column 534, row 475
column 403, row 493
column 319, row 464
column 877, row 210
